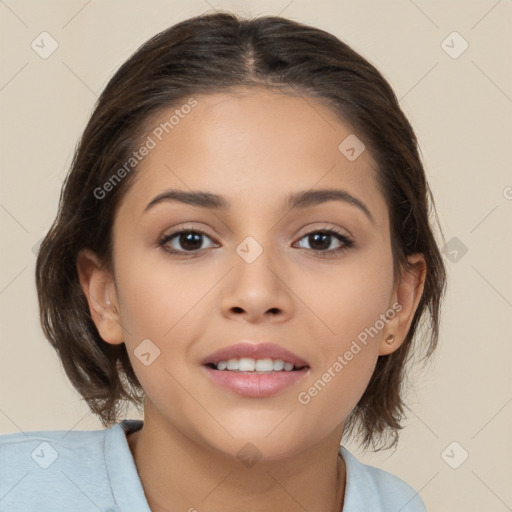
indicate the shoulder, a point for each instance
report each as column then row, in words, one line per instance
column 371, row 488
column 47, row 448
column 59, row 467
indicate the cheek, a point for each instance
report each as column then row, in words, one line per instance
column 169, row 306
column 159, row 315
column 155, row 297
column 351, row 298
column 350, row 303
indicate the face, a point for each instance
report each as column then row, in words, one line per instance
column 314, row 278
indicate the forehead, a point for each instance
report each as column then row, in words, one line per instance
column 251, row 145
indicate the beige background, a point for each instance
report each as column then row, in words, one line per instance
column 461, row 110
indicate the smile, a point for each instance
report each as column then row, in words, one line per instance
column 248, row 364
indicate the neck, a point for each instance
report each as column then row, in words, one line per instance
column 179, row 474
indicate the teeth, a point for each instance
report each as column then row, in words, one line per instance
column 263, row 365
column 247, row 364
column 278, row 365
column 233, row 364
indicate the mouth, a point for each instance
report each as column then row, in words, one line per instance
column 255, row 370
column 250, row 365
column 255, row 357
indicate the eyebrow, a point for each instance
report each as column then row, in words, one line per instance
column 296, row 200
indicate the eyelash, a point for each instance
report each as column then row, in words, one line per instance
column 347, row 241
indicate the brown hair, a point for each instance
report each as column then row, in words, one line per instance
column 214, row 53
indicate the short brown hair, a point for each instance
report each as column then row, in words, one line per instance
column 214, row 53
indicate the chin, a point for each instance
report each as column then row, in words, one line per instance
column 252, row 451
column 268, row 441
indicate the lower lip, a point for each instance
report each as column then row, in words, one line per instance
column 256, row 385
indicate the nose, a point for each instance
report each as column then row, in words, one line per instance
column 258, row 290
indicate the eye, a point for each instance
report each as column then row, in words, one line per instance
column 189, row 239
column 321, row 240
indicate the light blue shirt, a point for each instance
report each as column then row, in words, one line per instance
column 93, row 470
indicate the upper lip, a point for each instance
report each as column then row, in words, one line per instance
column 254, row 351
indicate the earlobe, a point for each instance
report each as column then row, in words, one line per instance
column 406, row 297
column 99, row 288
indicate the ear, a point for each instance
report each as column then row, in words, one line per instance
column 99, row 287
column 405, row 299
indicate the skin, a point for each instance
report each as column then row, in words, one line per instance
column 254, row 147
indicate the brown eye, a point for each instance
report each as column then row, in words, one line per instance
column 320, row 241
column 183, row 241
